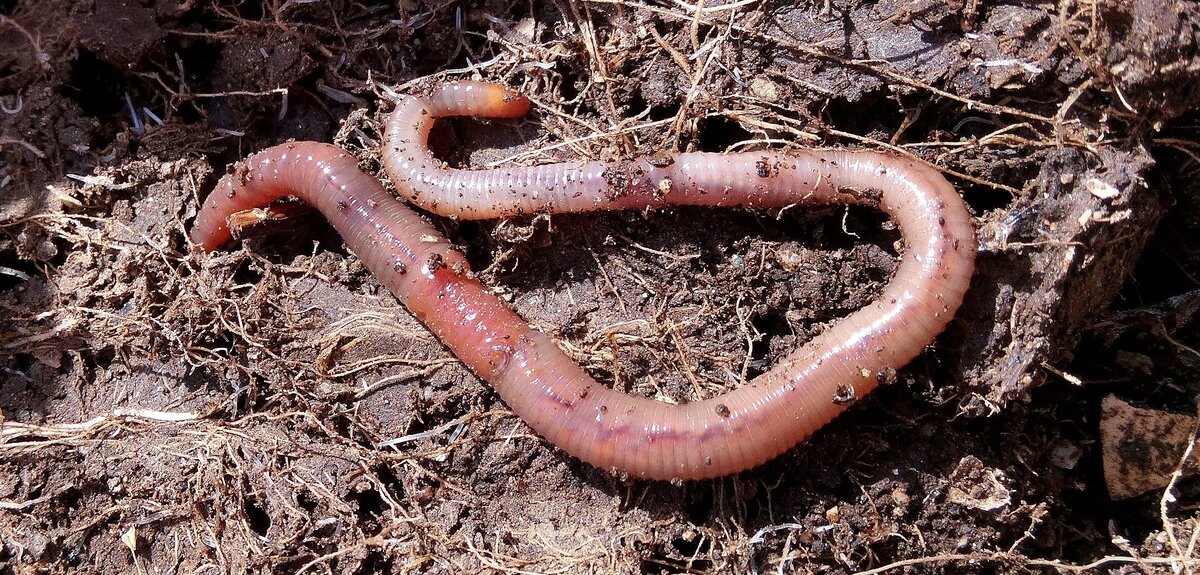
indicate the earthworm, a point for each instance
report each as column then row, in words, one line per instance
column 609, row 429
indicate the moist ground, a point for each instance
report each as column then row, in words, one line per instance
column 166, row 411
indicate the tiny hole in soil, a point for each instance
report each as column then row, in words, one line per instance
column 8, row 282
column 660, row 112
column 983, row 199
column 376, row 562
column 104, row 357
column 697, row 546
column 771, row 325
column 97, row 86
column 199, row 60
column 246, row 395
column 258, row 519
column 63, row 249
column 199, row 378
column 700, row 509
column 839, row 227
column 417, row 425
column 222, row 340
column 370, row 507
column 638, row 102
column 718, row 133
column 69, row 498
column 568, row 86
column 884, row 114
column 306, row 501
column 469, row 232
column 247, row 275
column 390, row 481
column 753, row 508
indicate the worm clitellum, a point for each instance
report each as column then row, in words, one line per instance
column 609, row 429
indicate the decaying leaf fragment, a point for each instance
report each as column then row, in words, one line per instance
column 1142, row 447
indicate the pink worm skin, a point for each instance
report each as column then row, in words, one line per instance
column 609, row 429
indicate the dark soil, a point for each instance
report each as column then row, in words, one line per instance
column 166, row 411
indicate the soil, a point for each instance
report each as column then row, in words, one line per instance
column 273, row 409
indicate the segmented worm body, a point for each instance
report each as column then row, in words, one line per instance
column 612, row 430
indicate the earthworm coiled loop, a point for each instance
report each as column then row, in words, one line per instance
column 612, row 430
